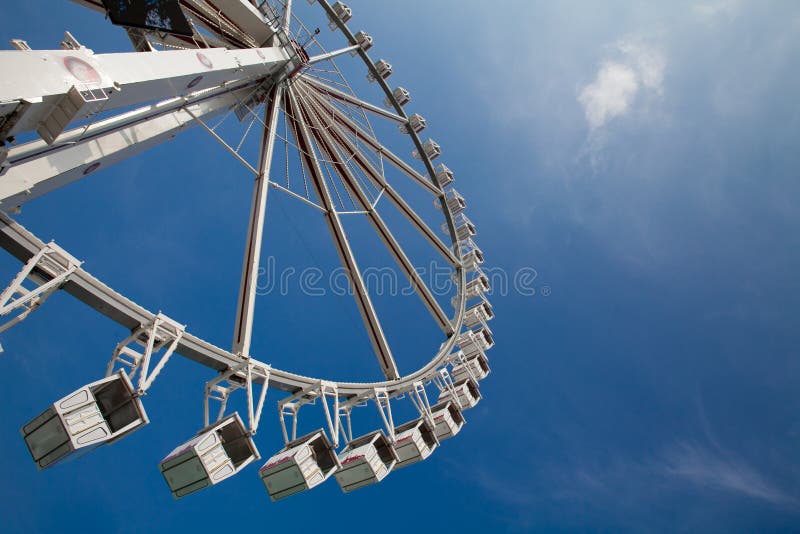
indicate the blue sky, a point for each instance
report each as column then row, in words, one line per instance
column 640, row 156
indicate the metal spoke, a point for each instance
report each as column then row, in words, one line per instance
column 353, row 101
column 370, row 141
column 326, row 144
column 361, row 161
column 374, row 330
column 247, row 290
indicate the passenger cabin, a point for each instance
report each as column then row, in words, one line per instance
column 364, row 40
column 476, row 287
column 475, row 341
column 455, row 202
column 466, row 391
column 366, row 460
column 447, row 420
column 464, row 227
column 303, row 464
column 414, row 441
column 478, row 314
column 101, row 412
column 476, row 366
column 401, row 95
column 417, row 123
column 384, row 69
column 473, row 259
column 217, row 452
column 431, row 149
column 342, row 11
column 444, row 175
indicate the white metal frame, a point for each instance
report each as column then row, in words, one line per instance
column 239, row 55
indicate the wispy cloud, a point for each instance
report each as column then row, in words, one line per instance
column 638, row 67
column 718, row 470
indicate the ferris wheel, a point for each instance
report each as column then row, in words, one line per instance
column 69, row 113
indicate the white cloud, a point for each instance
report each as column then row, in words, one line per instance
column 705, row 467
column 610, row 94
column 618, row 81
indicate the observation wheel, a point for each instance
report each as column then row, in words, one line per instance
column 258, row 69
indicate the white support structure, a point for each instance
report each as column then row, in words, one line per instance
column 242, row 53
column 244, row 376
column 243, row 329
column 419, row 397
column 322, row 390
column 49, row 269
column 137, row 350
column 363, row 301
column 382, row 400
column 63, row 85
column 36, row 168
column 326, row 145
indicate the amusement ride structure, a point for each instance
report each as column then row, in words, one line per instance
column 197, row 62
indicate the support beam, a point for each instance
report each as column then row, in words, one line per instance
column 375, row 332
column 247, row 291
column 37, row 169
column 330, row 55
column 353, row 101
column 326, row 145
column 102, row 82
column 366, row 167
column 371, row 142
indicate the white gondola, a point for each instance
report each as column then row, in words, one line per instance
column 414, row 441
column 417, row 123
column 473, row 259
column 217, row 452
column 343, row 12
column 401, row 95
column 477, row 287
column 384, row 69
column 447, row 420
column 478, row 314
column 455, row 202
column 464, row 228
column 366, row 460
column 474, row 341
column 303, row 464
column 444, row 175
column 431, row 149
column 101, row 412
column 467, row 392
column 364, row 40
column 476, row 366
